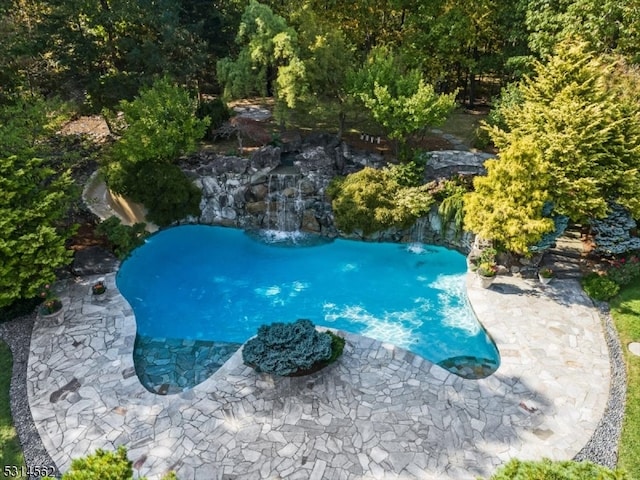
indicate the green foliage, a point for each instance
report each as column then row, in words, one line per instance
column 599, row 287
column 104, row 465
column 451, row 208
column 510, row 98
column 268, row 62
column 10, row 451
column 27, row 124
column 327, row 56
column 573, row 141
column 101, row 464
column 623, row 271
column 372, row 200
column 33, row 199
column 605, row 25
column 399, row 98
column 408, row 174
column 289, row 348
column 161, row 126
column 216, row 111
column 612, row 234
column 625, row 311
column 337, row 347
column 173, row 198
column 557, row 470
column 505, row 207
column 123, row 238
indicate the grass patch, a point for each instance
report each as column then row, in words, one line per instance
column 463, row 124
column 625, row 310
column 10, row 451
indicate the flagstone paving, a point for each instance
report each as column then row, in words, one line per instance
column 379, row 412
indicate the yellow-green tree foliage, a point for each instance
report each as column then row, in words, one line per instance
column 573, row 141
column 372, row 200
column 35, row 194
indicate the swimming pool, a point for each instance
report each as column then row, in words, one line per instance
column 213, row 284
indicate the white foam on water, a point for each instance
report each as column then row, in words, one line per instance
column 416, row 248
column 280, row 294
column 299, row 286
column 280, row 236
column 454, row 307
column 398, row 328
column 268, row 291
column 350, row 267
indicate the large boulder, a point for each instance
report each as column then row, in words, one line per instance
column 265, row 157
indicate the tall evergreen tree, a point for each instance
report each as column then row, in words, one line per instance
column 574, row 141
column 33, row 200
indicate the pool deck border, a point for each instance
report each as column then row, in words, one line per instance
column 379, row 412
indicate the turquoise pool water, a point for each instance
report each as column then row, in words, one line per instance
column 217, row 284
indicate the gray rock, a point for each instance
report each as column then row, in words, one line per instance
column 265, row 157
column 310, row 222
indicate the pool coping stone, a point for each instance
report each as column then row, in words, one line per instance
column 379, row 412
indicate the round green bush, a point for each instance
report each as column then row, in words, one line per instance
column 600, row 287
column 288, row 349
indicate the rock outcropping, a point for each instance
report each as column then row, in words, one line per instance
column 280, row 189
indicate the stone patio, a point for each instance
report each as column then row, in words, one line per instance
column 379, row 412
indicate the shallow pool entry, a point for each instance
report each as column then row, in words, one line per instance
column 169, row 365
column 195, row 287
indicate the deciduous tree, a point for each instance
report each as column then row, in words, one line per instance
column 161, row 125
column 399, row 98
column 268, row 62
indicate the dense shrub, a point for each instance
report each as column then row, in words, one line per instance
column 123, row 238
column 161, row 125
column 624, row 270
column 372, row 200
column 103, row 465
column 290, row 348
column 612, row 234
column 173, row 197
column 510, row 97
column 451, row 208
column 600, row 287
column 558, row 470
column 216, row 111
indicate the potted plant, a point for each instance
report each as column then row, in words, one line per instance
column 487, row 272
column 51, row 307
column 99, row 290
column 545, row 275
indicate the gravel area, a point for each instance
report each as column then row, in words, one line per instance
column 603, row 446
column 17, row 334
column 601, row 449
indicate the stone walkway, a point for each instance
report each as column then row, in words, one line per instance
column 379, row 412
